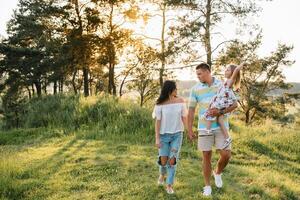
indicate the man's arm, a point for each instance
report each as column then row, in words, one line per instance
column 191, row 116
column 185, row 122
column 214, row 112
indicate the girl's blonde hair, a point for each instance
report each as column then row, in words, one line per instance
column 237, row 82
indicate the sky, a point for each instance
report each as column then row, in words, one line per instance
column 279, row 21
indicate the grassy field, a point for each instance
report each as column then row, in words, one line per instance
column 93, row 162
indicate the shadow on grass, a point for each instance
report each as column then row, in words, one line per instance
column 36, row 176
column 30, row 136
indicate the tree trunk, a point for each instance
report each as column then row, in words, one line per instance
column 73, row 81
column 125, row 77
column 111, row 80
column 45, row 87
column 142, row 101
column 86, row 81
column 163, row 56
column 55, row 87
column 90, row 85
column 32, row 88
column 112, row 55
column 38, row 87
column 247, row 115
column 29, row 92
column 207, row 35
column 61, row 85
column 121, row 86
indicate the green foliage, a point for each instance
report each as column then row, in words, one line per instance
column 13, row 108
column 69, row 112
column 260, row 78
column 143, row 74
column 52, row 111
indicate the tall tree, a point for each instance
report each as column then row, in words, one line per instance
column 199, row 27
column 169, row 44
column 25, row 49
column 82, row 21
column 116, row 13
column 143, row 74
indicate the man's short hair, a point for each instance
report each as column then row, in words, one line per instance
column 204, row 66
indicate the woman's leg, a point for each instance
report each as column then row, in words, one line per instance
column 163, row 166
column 175, row 147
column 163, row 153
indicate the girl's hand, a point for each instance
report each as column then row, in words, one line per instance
column 243, row 64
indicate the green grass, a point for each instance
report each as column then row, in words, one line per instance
column 109, row 161
column 265, row 165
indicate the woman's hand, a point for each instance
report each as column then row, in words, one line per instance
column 157, row 144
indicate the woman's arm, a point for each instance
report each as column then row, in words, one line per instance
column 185, row 122
column 157, row 133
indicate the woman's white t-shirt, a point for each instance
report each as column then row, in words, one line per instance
column 170, row 116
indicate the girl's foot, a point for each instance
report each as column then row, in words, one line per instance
column 227, row 142
column 169, row 189
column 161, row 180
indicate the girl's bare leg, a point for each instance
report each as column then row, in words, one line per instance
column 220, row 120
column 208, row 124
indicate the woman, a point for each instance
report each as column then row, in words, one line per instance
column 170, row 113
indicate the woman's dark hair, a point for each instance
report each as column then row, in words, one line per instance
column 167, row 89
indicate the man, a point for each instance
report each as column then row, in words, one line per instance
column 201, row 94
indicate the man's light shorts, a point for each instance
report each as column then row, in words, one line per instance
column 206, row 141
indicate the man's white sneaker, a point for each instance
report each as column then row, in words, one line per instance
column 206, row 191
column 218, row 180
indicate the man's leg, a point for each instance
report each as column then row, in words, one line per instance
column 225, row 155
column 206, row 164
column 223, row 160
column 205, row 143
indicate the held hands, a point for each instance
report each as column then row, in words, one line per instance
column 191, row 136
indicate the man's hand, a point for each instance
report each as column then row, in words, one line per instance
column 191, row 136
column 213, row 112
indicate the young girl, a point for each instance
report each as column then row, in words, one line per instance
column 223, row 99
column 170, row 113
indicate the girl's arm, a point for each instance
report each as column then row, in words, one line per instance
column 157, row 133
column 234, row 75
column 185, row 122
